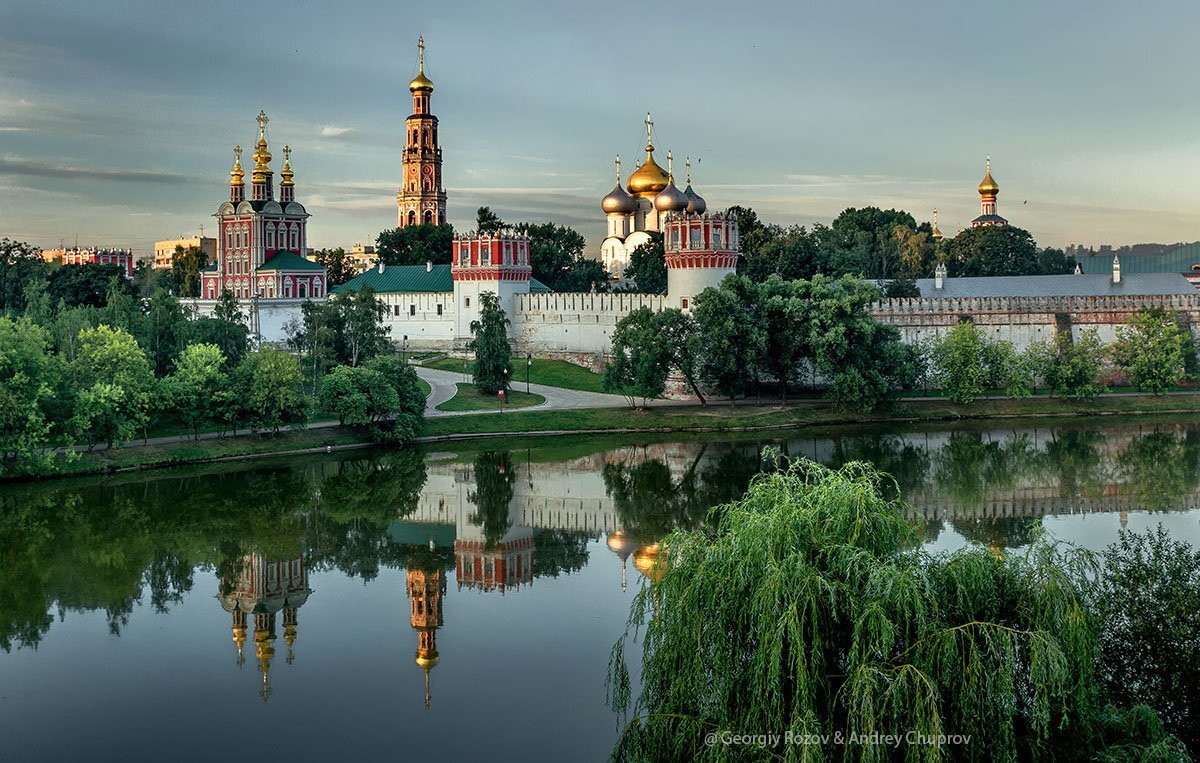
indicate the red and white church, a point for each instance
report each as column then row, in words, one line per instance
column 262, row 245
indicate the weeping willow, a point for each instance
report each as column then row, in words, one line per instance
column 807, row 621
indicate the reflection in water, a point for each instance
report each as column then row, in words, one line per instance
column 263, row 589
column 496, row 520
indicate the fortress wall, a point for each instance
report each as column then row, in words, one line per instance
column 426, row 329
column 572, row 325
column 1025, row 320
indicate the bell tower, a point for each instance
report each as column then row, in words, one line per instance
column 421, row 199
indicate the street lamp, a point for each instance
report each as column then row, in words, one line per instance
column 504, row 391
column 528, row 368
column 404, row 350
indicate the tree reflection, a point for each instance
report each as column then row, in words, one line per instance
column 494, row 477
column 1160, row 468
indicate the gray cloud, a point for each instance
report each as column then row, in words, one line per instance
column 15, row 165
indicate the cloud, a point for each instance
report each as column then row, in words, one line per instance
column 333, row 131
column 15, row 165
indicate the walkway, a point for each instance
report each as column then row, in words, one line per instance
column 557, row 398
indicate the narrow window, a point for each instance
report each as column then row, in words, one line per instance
column 412, row 309
column 468, row 301
column 439, row 309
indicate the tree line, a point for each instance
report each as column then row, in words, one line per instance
column 105, row 367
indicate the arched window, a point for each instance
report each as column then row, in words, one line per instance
column 428, row 217
column 270, row 236
column 287, row 287
column 301, row 289
column 295, row 238
column 412, row 217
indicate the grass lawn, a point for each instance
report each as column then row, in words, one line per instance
column 553, row 373
column 425, row 388
column 468, row 398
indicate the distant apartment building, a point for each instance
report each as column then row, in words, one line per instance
column 361, row 257
column 164, row 251
column 80, row 255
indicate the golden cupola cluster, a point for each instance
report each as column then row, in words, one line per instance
column 262, row 156
column 421, row 83
column 987, row 186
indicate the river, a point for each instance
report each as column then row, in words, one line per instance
column 452, row 604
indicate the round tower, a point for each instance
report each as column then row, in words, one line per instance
column 498, row 263
column 700, row 251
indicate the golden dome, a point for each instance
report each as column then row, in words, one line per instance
column 237, row 175
column 649, row 179
column 262, row 157
column 650, row 562
column 421, row 83
column 987, row 186
column 286, row 173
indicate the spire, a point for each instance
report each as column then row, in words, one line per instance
column 426, row 688
column 618, row 169
column 936, row 234
column 237, row 177
column 687, row 162
column 420, row 83
column 649, row 124
column 670, row 167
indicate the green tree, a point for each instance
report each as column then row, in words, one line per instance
column 641, row 359
column 358, row 396
column 364, row 334
column 147, row 279
column 162, row 330
column 415, row 245
column 336, row 264
column 681, row 336
column 648, row 266
column 115, row 383
column 186, row 266
column 403, row 378
column 1150, row 350
column 867, row 243
column 27, row 373
column 1070, row 367
column 753, row 234
column 1149, row 605
column 270, row 386
column 88, row 284
column 317, row 338
column 732, row 336
column 790, row 253
column 784, row 309
column 807, row 592
column 199, row 376
column 494, row 478
column 487, row 221
column 995, row 250
column 965, row 363
column 493, row 355
column 20, row 266
column 863, row 358
column 555, row 253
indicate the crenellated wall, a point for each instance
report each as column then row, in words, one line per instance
column 572, row 323
column 1024, row 320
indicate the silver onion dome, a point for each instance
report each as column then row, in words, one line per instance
column 696, row 203
column 670, row 199
column 618, row 202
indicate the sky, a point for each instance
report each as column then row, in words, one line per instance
column 118, row 119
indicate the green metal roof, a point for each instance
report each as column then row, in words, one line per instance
column 1184, row 259
column 290, row 261
column 410, row 279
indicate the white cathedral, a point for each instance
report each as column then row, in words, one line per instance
column 635, row 213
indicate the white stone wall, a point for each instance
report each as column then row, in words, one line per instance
column 686, row 283
column 273, row 315
column 572, row 323
column 426, row 330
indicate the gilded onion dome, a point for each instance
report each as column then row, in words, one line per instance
column 618, row 201
column 936, row 234
column 648, row 179
column 237, row 175
column 696, row 203
column 262, row 156
column 987, row 186
column 286, row 173
column 421, row 83
column 670, row 199
column 427, row 658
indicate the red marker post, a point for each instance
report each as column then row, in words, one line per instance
column 500, row 395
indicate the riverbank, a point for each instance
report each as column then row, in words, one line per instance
column 720, row 417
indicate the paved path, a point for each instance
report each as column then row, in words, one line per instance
column 557, row 398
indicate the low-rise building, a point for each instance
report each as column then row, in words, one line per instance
column 164, row 251
column 361, row 258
